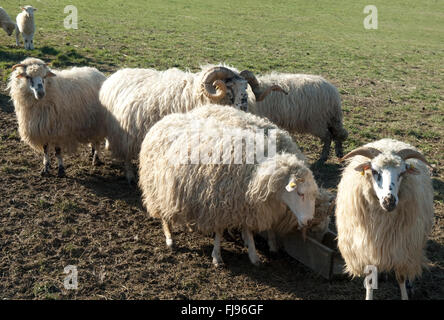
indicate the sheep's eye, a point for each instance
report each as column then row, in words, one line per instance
column 376, row 174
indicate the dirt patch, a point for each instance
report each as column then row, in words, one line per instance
column 92, row 219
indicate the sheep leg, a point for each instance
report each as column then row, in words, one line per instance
column 402, row 286
column 244, row 237
column 217, row 258
column 61, row 168
column 325, row 149
column 166, row 226
column 129, row 172
column 95, row 148
column 46, row 162
column 272, row 244
column 252, row 254
column 17, row 34
column 339, row 150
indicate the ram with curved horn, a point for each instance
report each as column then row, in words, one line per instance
column 384, row 210
column 137, row 98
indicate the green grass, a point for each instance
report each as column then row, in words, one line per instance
column 384, row 72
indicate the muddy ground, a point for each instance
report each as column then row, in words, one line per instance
column 92, row 219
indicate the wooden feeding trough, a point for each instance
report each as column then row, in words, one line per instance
column 322, row 257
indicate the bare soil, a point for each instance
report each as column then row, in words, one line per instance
column 94, row 220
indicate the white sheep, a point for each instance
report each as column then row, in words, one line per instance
column 384, row 210
column 217, row 195
column 6, row 23
column 26, row 27
column 57, row 108
column 138, row 98
column 316, row 228
column 312, row 105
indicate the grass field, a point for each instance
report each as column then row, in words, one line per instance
column 391, row 82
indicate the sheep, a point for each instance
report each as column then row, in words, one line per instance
column 317, row 227
column 384, row 210
column 6, row 23
column 138, row 98
column 57, row 108
column 312, row 105
column 214, row 196
column 26, row 27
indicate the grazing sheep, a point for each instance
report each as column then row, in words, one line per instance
column 57, row 108
column 138, row 98
column 6, row 23
column 312, row 105
column 26, row 27
column 384, row 210
column 214, row 196
column 317, row 227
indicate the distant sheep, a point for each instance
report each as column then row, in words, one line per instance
column 57, row 108
column 384, row 210
column 138, row 98
column 6, row 23
column 26, row 27
column 214, row 197
column 312, row 106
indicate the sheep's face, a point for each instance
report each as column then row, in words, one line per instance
column 299, row 195
column 35, row 76
column 387, row 171
column 29, row 10
column 237, row 93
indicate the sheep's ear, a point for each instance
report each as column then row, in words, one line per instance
column 50, row 74
column 410, row 168
column 362, row 167
column 21, row 75
column 35, row 9
column 22, row 8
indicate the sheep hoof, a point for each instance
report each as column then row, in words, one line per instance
column 218, row 264
column 255, row 261
column 170, row 244
column 61, row 172
column 45, row 172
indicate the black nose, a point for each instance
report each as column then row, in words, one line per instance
column 40, row 94
column 389, row 203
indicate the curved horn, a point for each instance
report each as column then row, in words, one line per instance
column 409, row 154
column 251, row 78
column 18, row 65
column 213, row 85
column 368, row 152
column 254, row 84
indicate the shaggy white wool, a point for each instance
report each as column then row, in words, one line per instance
column 313, row 106
column 69, row 114
column 369, row 235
